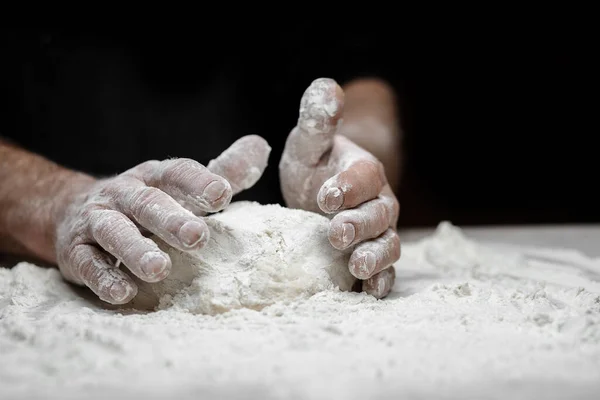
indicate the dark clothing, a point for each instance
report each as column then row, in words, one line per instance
column 492, row 128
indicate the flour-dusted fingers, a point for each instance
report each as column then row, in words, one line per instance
column 380, row 284
column 370, row 257
column 310, row 143
column 243, row 163
column 90, row 266
column 160, row 214
column 117, row 235
column 320, row 110
column 365, row 222
column 188, row 182
column 361, row 182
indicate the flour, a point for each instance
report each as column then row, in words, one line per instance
column 257, row 255
column 464, row 320
column 319, row 104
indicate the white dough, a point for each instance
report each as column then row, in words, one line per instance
column 257, row 255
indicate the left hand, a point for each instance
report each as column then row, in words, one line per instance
column 325, row 172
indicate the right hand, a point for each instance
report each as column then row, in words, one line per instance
column 107, row 221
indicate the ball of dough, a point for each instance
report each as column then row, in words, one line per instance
column 257, row 255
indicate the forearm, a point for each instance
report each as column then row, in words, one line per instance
column 371, row 120
column 33, row 193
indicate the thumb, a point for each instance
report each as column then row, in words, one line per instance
column 243, row 163
column 320, row 111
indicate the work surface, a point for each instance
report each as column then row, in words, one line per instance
column 584, row 238
column 471, row 316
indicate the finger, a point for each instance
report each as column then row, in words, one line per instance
column 162, row 215
column 188, row 182
column 116, row 234
column 364, row 222
column 243, row 163
column 380, row 284
column 361, row 182
column 375, row 255
column 93, row 268
column 320, row 111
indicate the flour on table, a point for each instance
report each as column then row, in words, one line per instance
column 257, row 255
column 464, row 321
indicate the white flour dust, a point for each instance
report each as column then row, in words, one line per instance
column 256, row 255
column 464, row 321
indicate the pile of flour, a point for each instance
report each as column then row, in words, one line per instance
column 464, row 321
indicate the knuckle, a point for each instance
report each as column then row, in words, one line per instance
column 396, row 207
column 148, row 165
column 66, row 265
column 109, row 225
column 390, row 275
column 85, row 270
column 374, row 168
column 143, row 168
column 395, row 218
column 80, row 266
column 392, row 208
column 382, row 213
column 107, row 190
column 145, row 197
column 174, row 169
column 112, row 187
column 89, row 215
column 395, row 211
column 395, row 246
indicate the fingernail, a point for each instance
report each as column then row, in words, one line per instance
column 191, row 233
column 119, row 291
column 334, row 199
column 348, row 234
column 365, row 265
column 214, row 191
column 153, row 264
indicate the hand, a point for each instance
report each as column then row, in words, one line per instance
column 323, row 171
column 108, row 220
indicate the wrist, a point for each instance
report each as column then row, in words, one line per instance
column 32, row 221
column 371, row 98
column 71, row 186
column 371, row 120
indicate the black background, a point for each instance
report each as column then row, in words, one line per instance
column 499, row 123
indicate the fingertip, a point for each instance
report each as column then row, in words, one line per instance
column 381, row 284
column 241, row 165
column 194, row 234
column 256, row 142
column 121, row 292
column 341, row 233
column 330, row 198
column 371, row 257
column 94, row 269
column 321, row 106
column 112, row 286
column 358, row 184
column 363, row 264
column 332, row 89
column 217, row 194
column 156, row 266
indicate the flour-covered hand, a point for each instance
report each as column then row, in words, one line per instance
column 109, row 219
column 325, row 172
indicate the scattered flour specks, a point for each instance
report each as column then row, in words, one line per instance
column 464, row 321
